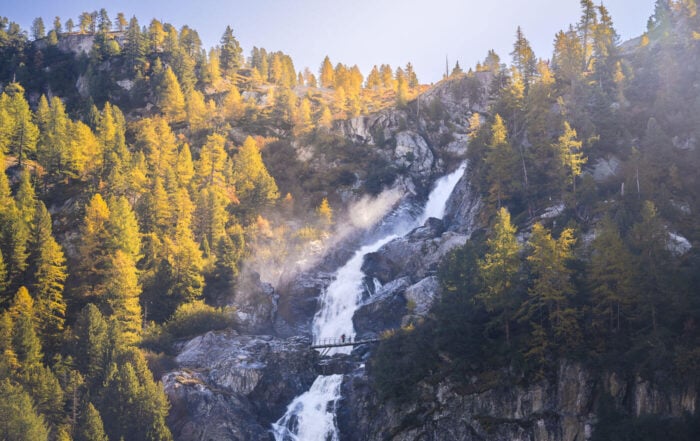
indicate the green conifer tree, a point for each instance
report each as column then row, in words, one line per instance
column 499, row 269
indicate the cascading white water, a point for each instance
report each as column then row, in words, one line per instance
column 311, row 416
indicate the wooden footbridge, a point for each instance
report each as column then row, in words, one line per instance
column 328, row 343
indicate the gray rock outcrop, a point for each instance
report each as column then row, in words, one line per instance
column 562, row 409
column 230, row 387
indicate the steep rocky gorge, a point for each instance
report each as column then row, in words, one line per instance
column 232, row 386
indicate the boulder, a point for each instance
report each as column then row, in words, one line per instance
column 383, row 310
column 420, row 297
column 415, row 255
column 230, row 386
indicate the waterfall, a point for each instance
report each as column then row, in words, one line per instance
column 311, row 416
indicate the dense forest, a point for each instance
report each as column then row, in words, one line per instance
column 140, row 171
column 574, row 266
column 133, row 187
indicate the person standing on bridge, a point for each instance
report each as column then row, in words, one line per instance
column 342, row 338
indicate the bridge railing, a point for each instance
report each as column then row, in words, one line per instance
column 333, row 341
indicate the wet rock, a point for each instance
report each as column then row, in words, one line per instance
column 462, row 208
column 415, row 255
column 421, row 296
column 383, row 310
column 256, row 305
column 230, row 386
column 298, row 300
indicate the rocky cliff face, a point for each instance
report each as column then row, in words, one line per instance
column 229, row 387
column 562, row 409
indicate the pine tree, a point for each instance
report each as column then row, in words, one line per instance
column 19, row 420
column 21, row 130
column 648, row 242
column 94, row 251
column 14, row 234
column 48, row 268
column 325, row 117
column 43, row 386
column 524, row 58
column 135, row 46
column 172, row 100
column 610, row 276
column 230, row 51
column 25, row 342
column 501, row 162
column 91, row 346
column 4, row 279
column 38, row 29
column 499, row 269
column 91, row 427
column 552, row 289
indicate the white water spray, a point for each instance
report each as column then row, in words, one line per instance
column 311, row 416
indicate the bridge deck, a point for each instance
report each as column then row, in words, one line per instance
column 336, row 343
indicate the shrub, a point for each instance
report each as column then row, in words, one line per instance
column 189, row 320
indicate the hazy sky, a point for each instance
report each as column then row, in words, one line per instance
column 362, row 32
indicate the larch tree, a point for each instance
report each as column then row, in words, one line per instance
column 93, row 251
column 14, row 233
column 196, row 111
column 48, row 275
column 121, row 299
column 552, row 289
column 570, row 154
column 22, row 133
column 327, row 73
column 25, row 341
column 325, row 213
column 124, row 228
column 499, row 270
column 254, row 184
column 501, row 162
column 172, row 100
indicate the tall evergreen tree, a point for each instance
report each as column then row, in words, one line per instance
column 91, row 427
column 499, row 270
column 254, row 184
column 22, row 133
column 25, row 341
column 19, row 420
column 172, row 100
column 48, row 270
column 121, row 299
column 524, row 58
column 611, row 275
column 230, row 53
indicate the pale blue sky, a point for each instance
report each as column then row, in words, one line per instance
column 362, row 32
